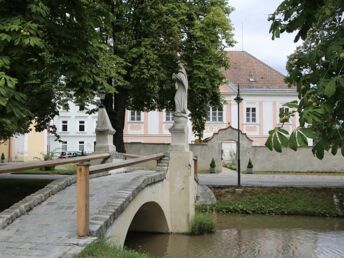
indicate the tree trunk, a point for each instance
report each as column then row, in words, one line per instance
column 116, row 110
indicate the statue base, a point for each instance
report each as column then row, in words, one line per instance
column 179, row 132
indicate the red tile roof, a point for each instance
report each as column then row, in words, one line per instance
column 250, row 72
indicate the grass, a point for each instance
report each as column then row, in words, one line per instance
column 202, row 223
column 68, row 169
column 276, row 201
column 101, row 249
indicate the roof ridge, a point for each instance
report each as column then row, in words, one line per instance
column 260, row 61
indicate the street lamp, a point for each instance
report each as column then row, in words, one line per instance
column 238, row 99
column 102, row 98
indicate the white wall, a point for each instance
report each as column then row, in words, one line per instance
column 73, row 136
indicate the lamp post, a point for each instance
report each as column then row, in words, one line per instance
column 102, row 99
column 238, row 99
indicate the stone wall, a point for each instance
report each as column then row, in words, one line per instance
column 301, row 160
column 262, row 158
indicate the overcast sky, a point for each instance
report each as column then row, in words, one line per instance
column 257, row 41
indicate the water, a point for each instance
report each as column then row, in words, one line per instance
column 14, row 190
column 251, row 236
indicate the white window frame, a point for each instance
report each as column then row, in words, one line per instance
column 249, row 117
column 64, row 145
column 84, row 125
column 215, row 115
column 135, row 116
column 81, row 144
column 64, row 123
column 168, row 116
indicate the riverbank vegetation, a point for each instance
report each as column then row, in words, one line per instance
column 278, row 201
column 101, row 249
column 202, row 223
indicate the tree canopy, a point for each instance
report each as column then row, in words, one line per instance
column 197, row 30
column 316, row 68
column 48, row 49
column 53, row 50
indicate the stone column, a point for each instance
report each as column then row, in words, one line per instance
column 104, row 133
column 180, row 175
column 179, row 132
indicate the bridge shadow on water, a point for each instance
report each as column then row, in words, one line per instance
column 14, row 190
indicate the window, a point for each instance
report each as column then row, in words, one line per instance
column 64, row 126
column 81, row 126
column 215, row 115
column 168, row 116
column 81, row 146
column 135, row 116
column 251, row 115
column 284, row 115
column 64, row 146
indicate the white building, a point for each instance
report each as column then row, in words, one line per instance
column 76, row 129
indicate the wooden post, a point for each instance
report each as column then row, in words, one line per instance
column 83, row 207
column 196, row 166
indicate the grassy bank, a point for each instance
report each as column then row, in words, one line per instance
column 68, row 169
column 101, row 249
column 278, row 201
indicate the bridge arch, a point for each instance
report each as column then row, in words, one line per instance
column 148, row 212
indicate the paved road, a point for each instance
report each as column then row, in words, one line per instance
column 231, row 179
column 49, row 230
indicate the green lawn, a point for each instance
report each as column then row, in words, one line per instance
column 68, row 169
column 101, row 249
column 273, row 201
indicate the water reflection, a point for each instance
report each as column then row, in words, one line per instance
column 252, row 236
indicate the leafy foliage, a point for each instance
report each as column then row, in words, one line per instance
column 197, row 30
column 316, row 68
column 48, row 50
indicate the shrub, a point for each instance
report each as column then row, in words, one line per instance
column 231, row 165
column 249, row 164
column 202, row 223
column 212, row 163
column 2, row 157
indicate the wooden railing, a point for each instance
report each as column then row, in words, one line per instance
column 83, row 171
column 82, row 182
column 50, row 163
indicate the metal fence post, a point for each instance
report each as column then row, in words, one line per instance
column 83, row 207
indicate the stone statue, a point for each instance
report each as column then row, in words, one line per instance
column 181, row 97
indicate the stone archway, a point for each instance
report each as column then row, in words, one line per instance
column 229, row 134
column 149, row 218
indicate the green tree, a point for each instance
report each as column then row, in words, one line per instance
column 316, row 68
column 49, row 49
column 197, row 30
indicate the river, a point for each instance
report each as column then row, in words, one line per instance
column 251, row 236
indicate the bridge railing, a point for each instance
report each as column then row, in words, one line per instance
column 82, row 184
column 83, row 171
column 50, row 163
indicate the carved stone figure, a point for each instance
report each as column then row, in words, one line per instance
column 181, row 97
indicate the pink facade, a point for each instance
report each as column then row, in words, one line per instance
column 262, row 88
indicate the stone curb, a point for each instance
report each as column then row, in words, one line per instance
column 104, row 218
column 29, row 202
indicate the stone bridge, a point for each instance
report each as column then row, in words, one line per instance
column 161, row 200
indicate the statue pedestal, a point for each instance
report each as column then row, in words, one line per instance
column 179, row 132
column 104, row 133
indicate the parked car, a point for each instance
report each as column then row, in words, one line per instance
column 70, row 154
